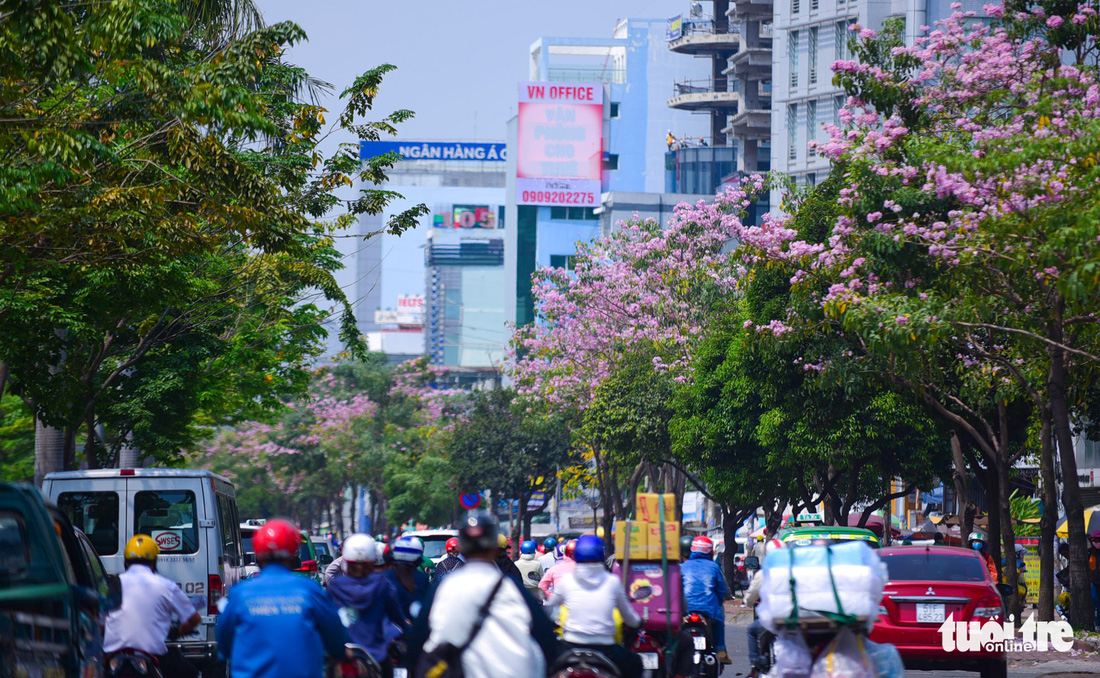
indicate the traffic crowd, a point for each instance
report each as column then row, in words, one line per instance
column 476, row 613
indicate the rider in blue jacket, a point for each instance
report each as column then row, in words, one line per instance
column 705, row 589
column 278, row 624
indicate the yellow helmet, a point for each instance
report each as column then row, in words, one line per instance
column 502, row 541
column 141, row 547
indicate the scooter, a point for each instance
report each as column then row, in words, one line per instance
column 578, row 663
column 131, row 663
column 358, row 664
column 704, row 656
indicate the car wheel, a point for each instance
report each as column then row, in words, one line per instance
column 995, row 668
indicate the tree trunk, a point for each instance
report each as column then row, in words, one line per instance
column 729, row 532
column 1048, row 521
column 1009, row 575
column 1080, row 593
column 962, row 491
column 993, row 514
column 49, row 451
column 128, row 455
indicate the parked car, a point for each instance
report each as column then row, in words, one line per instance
column 308, row 563
column 435, row 542
column 248, row 553
column 54, row 591
column 825, row 534
column 925, row 586
column 191, row 514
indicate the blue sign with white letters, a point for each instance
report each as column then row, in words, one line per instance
column 436, row 150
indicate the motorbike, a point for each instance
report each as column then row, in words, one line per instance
column 577, row 663
column 357, row 664
column 704, row 656
column 130, row 663
column 650, row 646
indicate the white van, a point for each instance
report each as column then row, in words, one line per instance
column 192, row 515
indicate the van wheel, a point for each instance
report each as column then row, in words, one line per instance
column 995, row 668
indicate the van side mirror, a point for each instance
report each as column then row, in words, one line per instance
column 752, row 563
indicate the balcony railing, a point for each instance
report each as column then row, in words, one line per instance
column 587, row 74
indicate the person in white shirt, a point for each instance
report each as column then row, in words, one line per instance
column 148, row 603
column 551, row 556
column 515, row 639
column 590, row 594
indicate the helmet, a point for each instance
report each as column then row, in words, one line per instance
column 589, row 549
column 976, row 536
column 408, row 549
column 571, row 547
column 452, row 545
column 549, row 543
column 360, row 548
column 276, row 540
column 559, row 551
column 1095, row 534
column 528, row 547
column 702, row 545
column 477, row 533
column 759, row 537
column 141, row 547
column 685, row 544
column 502, row 542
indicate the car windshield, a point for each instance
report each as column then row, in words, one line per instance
column 304, row 552
column 246, row 544
column 322, row 548
column 928, row 566
column 826, row 541
column 168, row 516
column 434, row 546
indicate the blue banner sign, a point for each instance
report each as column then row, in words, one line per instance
column 435, row 150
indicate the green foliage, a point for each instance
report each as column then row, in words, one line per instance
column 1024, row 509
column 16, row 441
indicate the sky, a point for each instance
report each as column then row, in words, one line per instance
column 458, row 62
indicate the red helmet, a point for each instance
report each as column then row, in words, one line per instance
column 276, row 540
column 702, row 545
column 570, row 546
column 452, row 546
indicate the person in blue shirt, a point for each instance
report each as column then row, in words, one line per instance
column 278, row 624
column 409, row 582
column 366, row 600
column 705, row 589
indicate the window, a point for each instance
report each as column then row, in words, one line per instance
column 574, row 213
column 15, row 548
column 614, row 109
column 925, row 566
column 96, row 515
column 1090, row 454
column 792, row 57
column 811, row 179
column 228, row 529
column 612, row 162
column 796, row 7
column 815, row 5
column 813, row 55
column 169, row 517
column 842, row 40
column 98, row 573
column 811, row 128
column 566, row 261
column 792, row 131
column 838, row 103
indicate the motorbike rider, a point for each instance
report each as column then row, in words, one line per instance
column 1093, row 563
column 977, row 542
column 548, row 559
column 756, row 630
column 590, row 594
column 450, row 562
column 276, row 611
column 504, row 561
column 516, row 638
column 705, row 589
column 530, row 569
column 552, row 576
column 366, row 600
column 685, row 547
column 409, row 582
column 148, row 603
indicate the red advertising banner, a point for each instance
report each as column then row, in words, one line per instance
column 560, row 150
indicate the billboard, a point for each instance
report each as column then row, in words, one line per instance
column 675, row 29
column 435, row 150
column 410, row 311
column 467, row 216
column 560, row 150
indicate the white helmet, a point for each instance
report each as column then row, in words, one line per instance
column 408, row 550
column 360, row 548
column 772, row 545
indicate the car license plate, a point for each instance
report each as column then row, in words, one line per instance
column 929, row 612
column 649, row 660
column 700, row 642
column 400, row 672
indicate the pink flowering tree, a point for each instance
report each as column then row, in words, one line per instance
column 962, row 259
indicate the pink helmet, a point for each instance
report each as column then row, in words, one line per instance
column 702, row 545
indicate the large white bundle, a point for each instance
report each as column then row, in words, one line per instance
column 856, row 572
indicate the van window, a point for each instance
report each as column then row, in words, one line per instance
column 168, row 516
column 227, row 528
column 15, row 550
column 96, row 515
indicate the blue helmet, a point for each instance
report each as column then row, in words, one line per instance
column 589, row 549
column 528, row 546
column 549, row 544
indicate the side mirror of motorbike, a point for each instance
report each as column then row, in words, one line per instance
column 324, row 559
column 113, row 599
column 752, row 563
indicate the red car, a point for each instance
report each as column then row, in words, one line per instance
column 925, row 586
